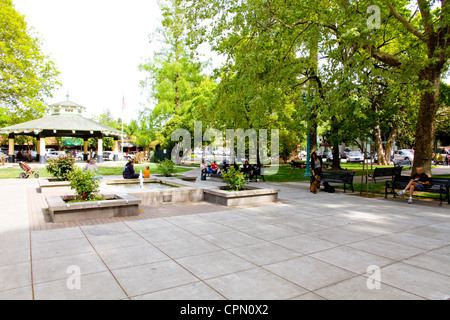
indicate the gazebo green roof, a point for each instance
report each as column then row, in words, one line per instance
column 63, row 124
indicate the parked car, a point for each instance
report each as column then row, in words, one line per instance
column 130, row 155
column 327, row 155
column 404, row 154
column 355, row 156
column 54, row 154
column 108, row 156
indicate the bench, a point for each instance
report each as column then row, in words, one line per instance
column 259, row 172
column 339, row 177
column 297, row 164
column 438, row 185
column 327, row 164
column 385, row 172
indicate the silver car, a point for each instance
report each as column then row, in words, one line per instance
column 404, row 154
column 54, row 154
column 355, row 156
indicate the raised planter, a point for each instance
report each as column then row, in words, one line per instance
column 178, row 191
column 52, row 185
column 250, row 195
column 116, row 205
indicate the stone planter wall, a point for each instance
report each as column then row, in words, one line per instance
column 250, row 195
column 50, row 185
column 117, row 205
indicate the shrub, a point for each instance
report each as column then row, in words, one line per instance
column 83, row 182
column 60, row 167
column 234, row 179
column 166, row 167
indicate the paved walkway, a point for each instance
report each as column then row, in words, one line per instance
column 304, row 247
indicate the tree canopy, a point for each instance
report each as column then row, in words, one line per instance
column 27, row 75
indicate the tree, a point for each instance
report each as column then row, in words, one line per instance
column 425, row 40
column 173, row 72
column 27, row 76
column 414, row 44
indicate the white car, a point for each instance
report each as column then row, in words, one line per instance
column 355, row 156
column 404, row 154
column 54, row 154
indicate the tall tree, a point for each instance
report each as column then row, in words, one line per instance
column 27, row 76
column 173, row 72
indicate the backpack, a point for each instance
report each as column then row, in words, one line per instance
column 328, row 188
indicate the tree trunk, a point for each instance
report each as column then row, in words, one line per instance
column 389, row 149
column 379, row 146
column 425, row 131
column 336, row 157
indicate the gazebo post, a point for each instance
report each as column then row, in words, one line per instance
column 12, row 156
column 116, row 149
column 85, row 149
column 100, row 150
column 42, row 149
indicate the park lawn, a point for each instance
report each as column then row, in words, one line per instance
column 379, row 189
column 287, row 174
column 12, row 173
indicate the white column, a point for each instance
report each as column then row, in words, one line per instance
column 11, row 149
column 42, row 150
column 100, row 150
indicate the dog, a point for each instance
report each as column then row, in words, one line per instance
column 315, row 185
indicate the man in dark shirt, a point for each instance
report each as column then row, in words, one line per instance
column 419, row 181
column 128, row 171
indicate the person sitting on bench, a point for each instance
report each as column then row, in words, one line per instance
column 214, row 167
column 128, row 170
column 419, row 181
column 203, row 169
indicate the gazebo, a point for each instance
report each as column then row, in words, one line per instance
column 65, row 120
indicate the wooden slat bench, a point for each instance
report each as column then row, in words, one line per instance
column 339, row 177
column 438, row 185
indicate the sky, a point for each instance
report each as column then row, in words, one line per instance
column 97, row 46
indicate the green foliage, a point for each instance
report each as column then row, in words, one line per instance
column 61, row 166
column 234, row 179
column 173, row 76
column 84, row 184
column 27, row 76
column 166, row 167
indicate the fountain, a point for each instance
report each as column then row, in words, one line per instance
column 141, row 180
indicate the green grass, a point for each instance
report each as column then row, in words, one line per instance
column 286, row 174
column 10, row 173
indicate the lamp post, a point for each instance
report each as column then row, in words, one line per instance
column 308, row 145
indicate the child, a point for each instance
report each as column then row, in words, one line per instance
column 147, row 172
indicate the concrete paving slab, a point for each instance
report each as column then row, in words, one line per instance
column 309, row 273
column 194, row 291
column 98, row 286
column 214, row 264
column 418, row 281
column 264, row 253
column 51, row 269
column 356, row 289
column 153, row 277
column 255, row 284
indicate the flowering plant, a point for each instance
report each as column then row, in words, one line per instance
column 60, row 167
column 234, row 179
column 86, row 187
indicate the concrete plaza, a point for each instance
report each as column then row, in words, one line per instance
column 306, row 246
